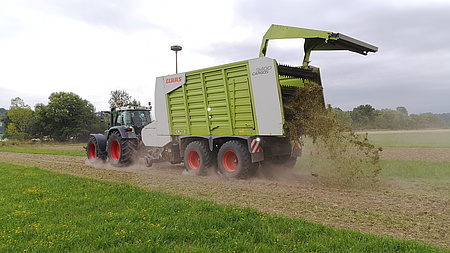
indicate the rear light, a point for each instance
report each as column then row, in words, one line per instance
column 129, row 129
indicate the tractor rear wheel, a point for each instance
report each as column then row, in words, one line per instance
column 197, row 158
column 121, row 151
column 234, row 160
column 93, row 149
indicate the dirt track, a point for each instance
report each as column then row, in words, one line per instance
column 416, row 154
column 403, row 213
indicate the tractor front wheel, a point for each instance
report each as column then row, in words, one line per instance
column 93, row 149
column 121, row 151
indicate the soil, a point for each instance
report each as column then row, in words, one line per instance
column 408, row 210
column 416, row 154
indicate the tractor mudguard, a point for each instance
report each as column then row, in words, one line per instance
column 124, row 133
column 101, row 141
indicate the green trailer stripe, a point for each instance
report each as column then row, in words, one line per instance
column 205, row 105
column 227, row 94
column 187, row 121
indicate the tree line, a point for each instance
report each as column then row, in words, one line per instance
column 66, row 117
column 69, row 117
column 365, row 117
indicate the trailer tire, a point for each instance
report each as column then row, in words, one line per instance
column 120, row 150
column 234, row 160
column 93, row 150
column 197, row 158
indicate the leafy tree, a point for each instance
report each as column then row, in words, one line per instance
column 363, row 116
column 393, row 120
column 402, row 110
column 123, row 97
column 135, row 103
column 18, row 120
column 445, row 119
column 343, row 117
column 428, row 120
column 67, row 116
column 3, row 111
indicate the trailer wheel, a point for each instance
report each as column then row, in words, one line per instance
column 93, row 149
column 120, row 151
column 197, row 158
column 234, row 160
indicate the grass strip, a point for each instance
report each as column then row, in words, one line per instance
column 427, row 171
column 42, row 211
column 425, row 139
column 405, row 170
column 43, row 151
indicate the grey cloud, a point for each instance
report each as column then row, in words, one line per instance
column 114, row 14
column 411, row 69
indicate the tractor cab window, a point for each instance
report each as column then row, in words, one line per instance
column 139, row 118
column 133, row 118
column 120, row 119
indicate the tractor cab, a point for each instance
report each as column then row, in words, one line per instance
column 132, row 116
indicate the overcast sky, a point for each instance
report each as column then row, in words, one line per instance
column 93, row 47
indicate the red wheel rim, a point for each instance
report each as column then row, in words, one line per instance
column 115, row 150
column 92, row 154
column 230, row 161
column 194, row 160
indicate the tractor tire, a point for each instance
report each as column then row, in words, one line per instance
column 197, row 158
column 234, row 160
column 93, row 150
column 121, row 151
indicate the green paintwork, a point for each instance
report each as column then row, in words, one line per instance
column 315, row 40
column 226, row 90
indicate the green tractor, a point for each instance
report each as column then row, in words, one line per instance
column 121, row 143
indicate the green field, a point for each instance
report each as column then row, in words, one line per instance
column 419, row 139
column 417, row 171
column 42, row 151
column 42, row 211
column 75, row 150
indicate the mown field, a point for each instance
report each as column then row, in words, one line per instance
column 160, row 209
column 412, row 139
column 45, row 211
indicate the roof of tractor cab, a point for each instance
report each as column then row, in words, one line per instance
column 134, row 108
